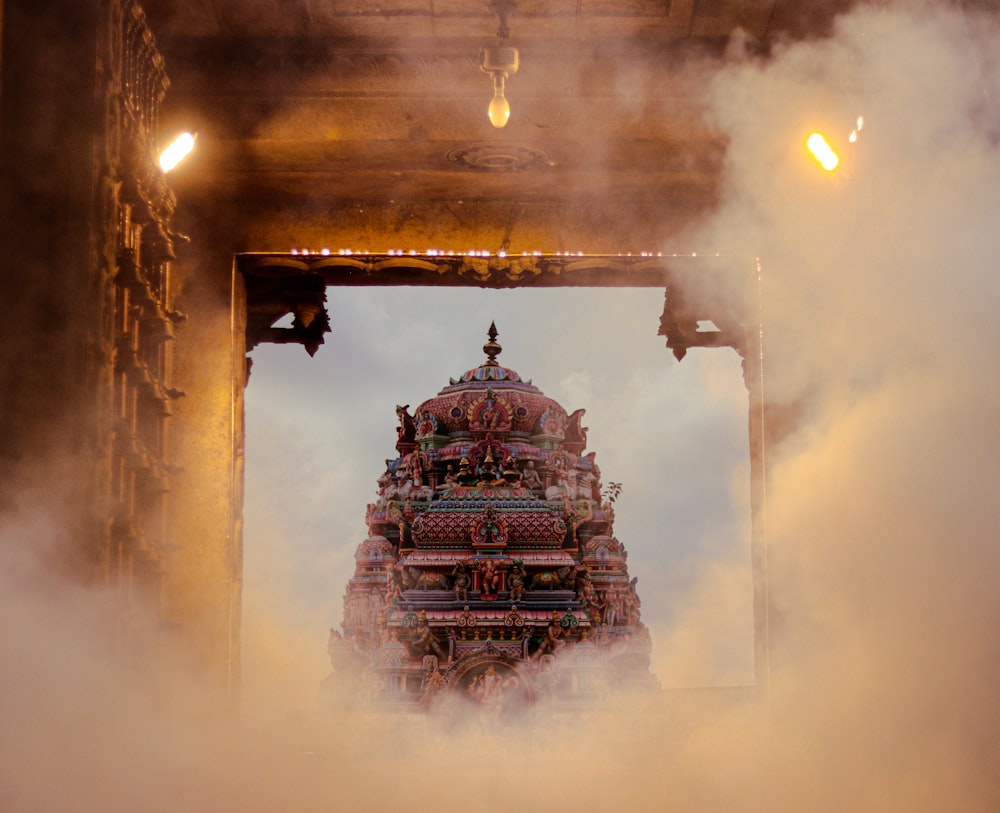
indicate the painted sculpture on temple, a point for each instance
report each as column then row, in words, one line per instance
column 491, row 574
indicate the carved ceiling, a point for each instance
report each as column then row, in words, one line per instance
column 363, row 124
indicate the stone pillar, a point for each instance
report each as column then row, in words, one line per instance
column 204, row 578
column 730, row 297
column 758, row 436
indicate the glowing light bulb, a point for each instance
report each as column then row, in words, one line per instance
column 822, row 152
column 500, row 62
column 177, row 151
column 499, row 110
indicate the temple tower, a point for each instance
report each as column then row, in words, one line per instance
column 491, row 569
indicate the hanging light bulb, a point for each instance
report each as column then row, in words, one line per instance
column 499, row 110
column 499, row 61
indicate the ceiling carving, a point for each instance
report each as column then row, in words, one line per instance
column 335, row 123
column 582, row 19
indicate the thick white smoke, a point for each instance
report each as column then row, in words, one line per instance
column 878, row 289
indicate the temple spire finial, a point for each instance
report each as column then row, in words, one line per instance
column 491, row 348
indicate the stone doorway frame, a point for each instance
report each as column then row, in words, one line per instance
column 723, row 291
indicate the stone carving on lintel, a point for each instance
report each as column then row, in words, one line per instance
column 698, row 290
column 444, row 268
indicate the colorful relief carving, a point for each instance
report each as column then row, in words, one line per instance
column 491, row 572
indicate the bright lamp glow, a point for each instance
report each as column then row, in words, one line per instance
column 822, row 152
column 499, row 61
column 177, row 151
column 499, row 111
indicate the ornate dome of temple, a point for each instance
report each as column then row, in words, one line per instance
column 491, row 570
column 493, row 400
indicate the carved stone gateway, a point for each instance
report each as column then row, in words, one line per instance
column 710, row 301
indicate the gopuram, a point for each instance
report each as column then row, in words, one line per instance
column 491, row 573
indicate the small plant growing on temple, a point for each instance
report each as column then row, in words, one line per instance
column 611, row 492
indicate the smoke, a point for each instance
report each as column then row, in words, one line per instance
column 875, row 289
column 880, row 339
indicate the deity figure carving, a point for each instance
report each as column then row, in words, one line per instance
column 450, row 479
column 432, row 686
column 612, row 607
column 562, row 478
column 511, row 475
column 409, row 488
column 592, row 602
column 530, row 477
column 595, row 470
column 488, row 470
column 462, row 579
column 465, row 476
column 490, row 417
column 489, row 413
column 553, row 640
column 425, row 642
column 630, row 605
column 427, row 425
column 516, row 576
column 586, row 486
column 488, row 690
column 417, row 465
column 376, row 601
column 545, row 678
column 387, row 488
column 489, row 577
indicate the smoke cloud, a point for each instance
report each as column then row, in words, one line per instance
column 880, row 339
column 875, row 280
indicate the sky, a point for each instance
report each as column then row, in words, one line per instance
column 879, row 289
